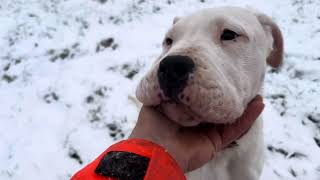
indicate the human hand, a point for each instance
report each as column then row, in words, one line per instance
column 192, row 147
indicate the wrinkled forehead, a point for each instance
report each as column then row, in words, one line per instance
column 215, row 20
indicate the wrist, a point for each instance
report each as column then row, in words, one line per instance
column 170, row 147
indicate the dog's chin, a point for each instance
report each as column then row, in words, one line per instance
column 180, row 113
column 186, row 116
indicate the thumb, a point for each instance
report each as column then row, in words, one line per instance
column 232, row 132
column 222, row 136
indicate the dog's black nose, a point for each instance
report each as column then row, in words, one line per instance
column 173, row 74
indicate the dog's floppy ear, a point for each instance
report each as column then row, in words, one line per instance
column 275, row 58
column 176, row 19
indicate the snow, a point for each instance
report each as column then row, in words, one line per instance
column 63, row 103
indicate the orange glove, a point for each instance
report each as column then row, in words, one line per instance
column 132, row 159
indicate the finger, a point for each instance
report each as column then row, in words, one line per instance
column 232, row 132
column 252, row 111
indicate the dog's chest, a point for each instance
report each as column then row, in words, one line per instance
column 243, row 161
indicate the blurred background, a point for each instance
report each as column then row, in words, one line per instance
column 67, row 68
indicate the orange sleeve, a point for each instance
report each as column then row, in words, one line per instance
column 161, row 165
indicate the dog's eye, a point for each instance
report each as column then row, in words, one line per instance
column 228, row 35
column 168, row 41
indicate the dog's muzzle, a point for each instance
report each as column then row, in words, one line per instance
column 173, row 74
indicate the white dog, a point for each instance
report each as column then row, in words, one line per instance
column 213, row 63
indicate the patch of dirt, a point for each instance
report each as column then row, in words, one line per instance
column 105, row 44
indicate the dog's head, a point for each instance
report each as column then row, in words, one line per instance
column 213, row 63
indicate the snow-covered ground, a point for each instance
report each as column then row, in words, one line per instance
column 67, row 68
